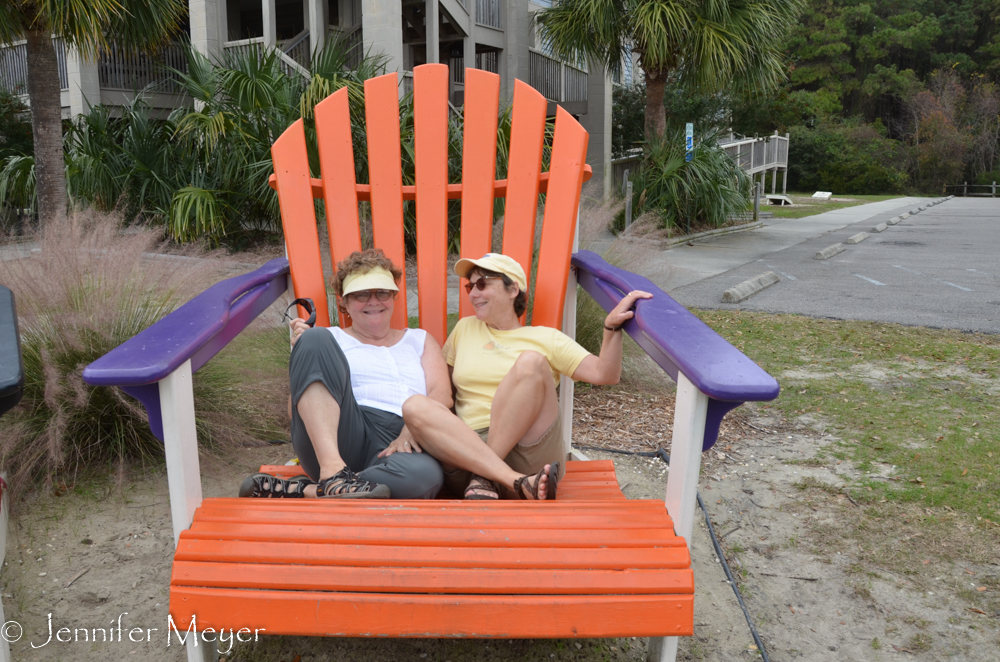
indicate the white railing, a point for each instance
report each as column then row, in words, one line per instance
column 256, row 45
column 14, row 66
column 556, row 80
column 118, row 70
column 489, row 13
column 756, row 154
column 297, row 48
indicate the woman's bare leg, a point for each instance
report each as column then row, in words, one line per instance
column 525, row 407
column 320, row 413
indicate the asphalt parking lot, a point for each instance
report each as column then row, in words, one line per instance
column 939, row 268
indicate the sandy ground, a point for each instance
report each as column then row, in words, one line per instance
column 799, row 561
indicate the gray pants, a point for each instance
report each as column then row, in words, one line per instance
column 363, row 432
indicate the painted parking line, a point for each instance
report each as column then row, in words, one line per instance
column 964, row 289
column 870, row 280
column 985, row 273
column 773, row 268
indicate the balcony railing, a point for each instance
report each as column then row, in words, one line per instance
column 256, row 45
column 118, row 70
column 14, row 66
column 297, row 48
column 556, row 80
column 489, row 13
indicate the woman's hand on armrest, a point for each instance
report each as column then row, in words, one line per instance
column 436, row 373
column 607, row 367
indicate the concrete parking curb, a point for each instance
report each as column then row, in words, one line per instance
column 881, row 227
column 858, row 238
column 829, row 252
column 904, row 216
column 748, row 288
column 894, row 220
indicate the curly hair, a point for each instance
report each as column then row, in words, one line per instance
column 363, row 262
column 520, row 301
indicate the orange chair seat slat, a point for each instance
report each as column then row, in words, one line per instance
column 325, row 553
column 408, row 615
column 308, row 514
column 471, row 537
column 388, row 579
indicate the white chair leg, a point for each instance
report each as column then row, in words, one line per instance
column 205, row 651
column 662, row 649
column 180, row 441
column 690, row 412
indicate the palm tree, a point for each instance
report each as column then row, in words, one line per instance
column 709, row 45
column 89, row 26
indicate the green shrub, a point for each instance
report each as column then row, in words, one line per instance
column 702, row 193
column 848, row 158
column 88, row 289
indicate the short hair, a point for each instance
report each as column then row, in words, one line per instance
column 520, row 301
column 362, row 262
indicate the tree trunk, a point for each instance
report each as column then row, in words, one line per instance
column 655, row 114
column 46, row 127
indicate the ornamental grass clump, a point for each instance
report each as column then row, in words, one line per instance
column 704, row 193
column 87, row 288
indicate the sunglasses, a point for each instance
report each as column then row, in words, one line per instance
column 480, row 284
column 362, row 296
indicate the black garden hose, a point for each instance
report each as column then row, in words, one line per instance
column 662, row 454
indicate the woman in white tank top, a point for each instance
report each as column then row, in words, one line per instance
column 348, row 386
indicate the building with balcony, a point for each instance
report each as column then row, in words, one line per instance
column 494, row 35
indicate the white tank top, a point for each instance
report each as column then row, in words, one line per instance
column 384, row 377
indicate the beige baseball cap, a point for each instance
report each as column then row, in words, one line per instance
column 375, row 278
column 494, row 262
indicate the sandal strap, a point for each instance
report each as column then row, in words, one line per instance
column 344, row 481
column 479, row 484
column 271, row 487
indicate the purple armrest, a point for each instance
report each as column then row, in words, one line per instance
column 198, row 330
column 678, row 341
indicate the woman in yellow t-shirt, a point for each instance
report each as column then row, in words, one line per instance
column 505, row 376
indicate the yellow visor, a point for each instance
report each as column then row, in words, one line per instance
column 376, row 278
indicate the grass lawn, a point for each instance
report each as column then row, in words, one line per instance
column 915, row 408
column 806, row 205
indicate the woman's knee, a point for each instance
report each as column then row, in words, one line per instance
column 418, row 410
column 531, row 364
column 312, row 340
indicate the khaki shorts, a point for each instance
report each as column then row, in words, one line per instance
column 527, row 460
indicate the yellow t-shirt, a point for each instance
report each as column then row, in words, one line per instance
column 482, row 356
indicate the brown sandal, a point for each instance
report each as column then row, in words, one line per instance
column 550, row 492
column 345, row 484
column 479, row 484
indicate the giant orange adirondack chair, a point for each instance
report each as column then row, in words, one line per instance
column 591, row 564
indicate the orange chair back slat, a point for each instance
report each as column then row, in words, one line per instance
column 527, row 137
column 562, row 201
column 385, row 177
column 336, row 162
column 298, row 218
column 525, row 180
column 479, row 159
column 430, row 129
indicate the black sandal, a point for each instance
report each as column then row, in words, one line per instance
column 550, row 490
column 479, row 484
column 266, row 486
column 345, row 484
